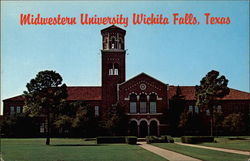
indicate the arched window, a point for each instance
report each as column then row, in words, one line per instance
column 116, row 69
column 152, row 100
column 132, row 105
column 111, row 70
column 105, row 43
column 113, row 43
column 143, row 103
column 121, row 44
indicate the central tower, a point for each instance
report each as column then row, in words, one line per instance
column 113, row 63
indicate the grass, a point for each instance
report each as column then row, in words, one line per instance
column 177, row 139
column 228, row 142
column 72, row 150
column 237, row 143
column 203, row 154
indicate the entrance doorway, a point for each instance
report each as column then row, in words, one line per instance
column 143, row 129
column 153, row 128
column 133, row 128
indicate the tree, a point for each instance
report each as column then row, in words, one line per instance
column 44, row 94
column 192, row 123
column 18, row 125
column 77, row 119
column 85, row 120
column 184, row 119
column 218, row 119
column 210, row 89
column 233, row 123
column 177, row 105
column 115, row 120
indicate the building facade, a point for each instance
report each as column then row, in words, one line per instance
column 146, row 100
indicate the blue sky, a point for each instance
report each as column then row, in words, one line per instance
column 174, row 54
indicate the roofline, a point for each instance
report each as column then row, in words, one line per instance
column 195, row 85
column 84, row 86
column 240, row 90
column 6, row 99
column 113, row 26
column 146, row 75
column 84, row 100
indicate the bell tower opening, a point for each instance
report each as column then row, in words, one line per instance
column 113, row 63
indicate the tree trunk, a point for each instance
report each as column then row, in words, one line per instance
column 211, row 121
column 48, row 128
column 211, row 126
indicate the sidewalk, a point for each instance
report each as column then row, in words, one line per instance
column 167, row 154
column 218, row 149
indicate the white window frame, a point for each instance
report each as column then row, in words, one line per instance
column 111, row 71
column 143, row 107
column 219, row 108
column 96, row 110
column 207, row 112
column 42, row 128
column 196, row 109
column 12, row 110
column 153, row 107
column 190, row 108
column 115, row 71
column 18, row 109
column 132, row 107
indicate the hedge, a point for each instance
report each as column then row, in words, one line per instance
column 131, row 139
column 116, row 139
column 161, row 139
column 196, row 139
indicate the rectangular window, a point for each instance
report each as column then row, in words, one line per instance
column 196, row 109
column 42, row 127
column 190, row 108
column 152, row 107
column 12, row 110
column 18, row 109
column 96, row 110
column 207, row 112
column 132, row 107
column 219, row 109
column 143, row 107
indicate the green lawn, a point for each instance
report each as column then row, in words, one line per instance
column 72, row 150
column 238, row 143
column 243, row 143
column 203, row 154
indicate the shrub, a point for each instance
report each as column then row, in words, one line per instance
column 161, row 139
column 110, row 139
column 131, row 139
column 196, row 139
column 170, row 139
column 116, row 139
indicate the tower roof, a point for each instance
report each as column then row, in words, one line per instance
column 113, row 28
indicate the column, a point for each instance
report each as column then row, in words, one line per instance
column 139, row 131
column 158, row 130
column 148, row 129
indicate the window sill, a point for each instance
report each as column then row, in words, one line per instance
column 143, row 114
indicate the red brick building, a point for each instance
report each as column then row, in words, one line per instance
column 145, row 98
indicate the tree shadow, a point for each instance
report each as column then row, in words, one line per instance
column 238, row 138
column 75, row 145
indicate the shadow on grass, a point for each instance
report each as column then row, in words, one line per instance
column 76, row 145
column 238, row 138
